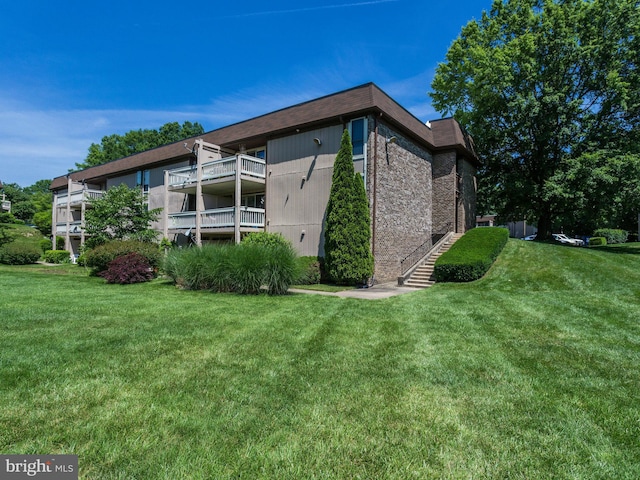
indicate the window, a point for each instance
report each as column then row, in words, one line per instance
column 258, row 153
column 142, row 180
column 357, row 130
column 254, row 201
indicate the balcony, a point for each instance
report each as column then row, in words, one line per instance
column 77, row 198
column 6, row 206
column 75, row 228
column 219, row 218
column 221, row 171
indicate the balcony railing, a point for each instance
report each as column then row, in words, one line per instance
column 75, row 228
column 218, row 218
column 6, row 206
column 225, row 167
column 76, row 198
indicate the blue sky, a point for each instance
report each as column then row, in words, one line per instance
column 72, row 71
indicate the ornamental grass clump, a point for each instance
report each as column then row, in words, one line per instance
column 247, row 268
column 472, row 255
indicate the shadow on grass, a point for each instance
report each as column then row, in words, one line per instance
column 628, row 248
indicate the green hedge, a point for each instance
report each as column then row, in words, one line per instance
column 99, row 258
column 309, row 271
column 45, row 244
column 613, row 235
column 246, row 268
column 15, row 253
column 597, row 241
column 57, row 256
column 472, row 255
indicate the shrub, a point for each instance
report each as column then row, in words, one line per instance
column 309, row 271
column 245, row 268
column 59, row 243
column 99, row 258
column 612, row 235
column 597, row 241
column 265, row 238
column 57, row 256
column 19, row 254
column 281, row 269
column 127, row 269
column 45, row 244
column 7, row 217
column 472, row 255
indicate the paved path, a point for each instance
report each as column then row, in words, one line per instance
column 383, row 290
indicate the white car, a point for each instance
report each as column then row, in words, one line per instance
column 562, row 238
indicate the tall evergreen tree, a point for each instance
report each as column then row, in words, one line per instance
column 348, row 258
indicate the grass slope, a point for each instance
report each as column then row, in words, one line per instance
column 24, row 234
column 530, row 372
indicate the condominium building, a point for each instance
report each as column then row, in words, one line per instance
column 273, row 173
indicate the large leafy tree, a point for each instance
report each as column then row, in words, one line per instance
column 117, row 146
column 545, row 87
column 348, row 258
column 120, row 214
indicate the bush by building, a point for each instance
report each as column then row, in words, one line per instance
column 246, row 268
column 310, row 272
column 15, row 253
column 472, row 255
column 98, row 258
column 57, row 256
column 127, row 269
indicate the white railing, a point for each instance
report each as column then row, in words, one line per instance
column 225, row 167
column 218, row 218
column 75, row 227
column 251, row 217
column 6, row 205
column 78, row 197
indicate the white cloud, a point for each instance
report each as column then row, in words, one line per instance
column 307, row 9
column 38, row 142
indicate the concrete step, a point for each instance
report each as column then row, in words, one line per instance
column 423, row 276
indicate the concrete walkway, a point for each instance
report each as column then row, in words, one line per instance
column 383, row 290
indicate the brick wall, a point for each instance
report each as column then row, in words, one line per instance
column 444, row 192
column 403, row 188
column 467, row 196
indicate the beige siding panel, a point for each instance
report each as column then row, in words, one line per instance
column 298, row 184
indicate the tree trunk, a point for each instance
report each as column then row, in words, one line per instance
column 544, row 226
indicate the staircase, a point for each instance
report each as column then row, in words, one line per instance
column 422, row 277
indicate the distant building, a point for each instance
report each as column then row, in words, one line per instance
column 519, row 229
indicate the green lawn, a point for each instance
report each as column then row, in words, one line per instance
column 531, row 372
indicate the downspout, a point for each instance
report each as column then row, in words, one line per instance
column 165, row 212
column 373, row 188
column 199, row 198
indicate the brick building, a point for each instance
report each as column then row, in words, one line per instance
column 273, row 173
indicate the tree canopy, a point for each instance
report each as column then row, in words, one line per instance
column 550, row 92
column 117, row 146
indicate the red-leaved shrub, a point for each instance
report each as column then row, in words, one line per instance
column 129, row 268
